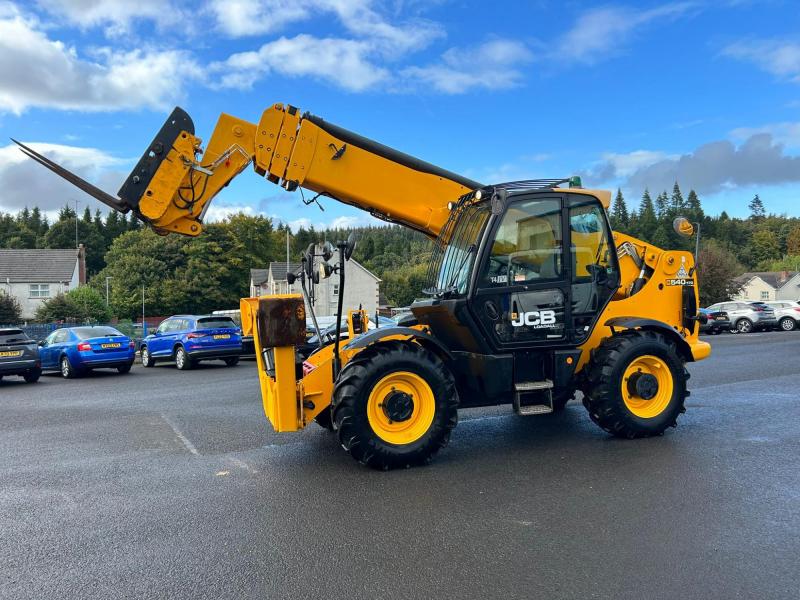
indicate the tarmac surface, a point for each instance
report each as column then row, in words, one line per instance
column 163, row 483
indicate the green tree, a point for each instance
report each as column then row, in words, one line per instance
column 716, row 271
column 677, row 203
column 619, row 212
column 793, row 241
column 756, row 207
column 10, row 311
column 764, row 246
column 647, row 223
column 81, row 305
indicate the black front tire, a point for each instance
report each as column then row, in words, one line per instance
column 147, row 359
column 350, row 404
column 603, row 393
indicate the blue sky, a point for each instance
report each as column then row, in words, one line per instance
column 627, row 94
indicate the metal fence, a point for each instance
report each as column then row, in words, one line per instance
column 39, row 331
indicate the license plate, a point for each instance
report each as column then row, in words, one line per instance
column 222, row 336
column 11, row 353
column 116, row 345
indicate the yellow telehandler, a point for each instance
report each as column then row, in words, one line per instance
column 530, row 295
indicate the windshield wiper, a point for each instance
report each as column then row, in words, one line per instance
column 451, row 286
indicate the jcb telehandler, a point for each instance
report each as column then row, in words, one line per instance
column 530, row 296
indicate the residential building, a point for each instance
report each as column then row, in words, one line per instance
column 361, row 286
column 33, row 276
column 769, row 285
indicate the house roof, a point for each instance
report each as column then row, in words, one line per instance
column 278, row 269
column 259, row 276
column 776, row 279
column 46, row 266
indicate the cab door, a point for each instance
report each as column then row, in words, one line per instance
column 548, row 270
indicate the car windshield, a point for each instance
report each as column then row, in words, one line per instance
column 84, row 333
column 8, row 336
column 215, row 322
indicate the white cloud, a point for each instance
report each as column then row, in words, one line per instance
column 779, row 58
column 602, row 31
column 220, row 212
column 38, row 71
column 115, row 15
column 624, row 165
column 787, row 133
column 492, row 65
column 239, row 18
column 340, row 62
column 341, row 222
column 26, row 183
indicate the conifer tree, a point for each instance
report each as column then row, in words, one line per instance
column 756, row 207
column 620, row 218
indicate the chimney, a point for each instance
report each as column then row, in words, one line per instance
column 784, row 276
column 81, row 264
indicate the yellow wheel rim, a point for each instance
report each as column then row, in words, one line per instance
column 401, row 407
column 643, row 400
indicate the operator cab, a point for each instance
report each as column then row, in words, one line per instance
column 520, row 269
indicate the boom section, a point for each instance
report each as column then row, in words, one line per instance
column 171, row 188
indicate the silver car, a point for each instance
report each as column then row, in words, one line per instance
column 748, row 316
column 787, row 312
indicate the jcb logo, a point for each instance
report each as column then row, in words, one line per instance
column 534, row 318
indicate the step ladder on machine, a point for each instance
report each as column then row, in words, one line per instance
column 533, row 397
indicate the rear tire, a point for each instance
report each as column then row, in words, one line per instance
column 122, row 369
column 232, row 362
column 636, row 384
column 147, row 359
column 394, row 405
column 788, row 324
column 32, row 376
column 182, row 360
column 744, row 326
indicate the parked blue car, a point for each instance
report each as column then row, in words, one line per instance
column 187, row 339
column 75, row 350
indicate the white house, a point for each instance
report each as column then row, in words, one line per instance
column 769, row 285
column 361, row 287
column 33, row 276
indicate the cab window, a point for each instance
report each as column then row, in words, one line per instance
column 527, row 245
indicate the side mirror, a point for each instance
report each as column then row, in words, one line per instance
column 351, row 245
column 291, row 278
column 308, row 259
column 327, row 251
column 683, row 227
column 42, row 343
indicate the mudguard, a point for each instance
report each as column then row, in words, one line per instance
column 376, row 335
column 653, row 325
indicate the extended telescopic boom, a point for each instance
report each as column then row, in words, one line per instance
column 173, row 183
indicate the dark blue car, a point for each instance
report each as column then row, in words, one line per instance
column 75, row 350
column 187, row 339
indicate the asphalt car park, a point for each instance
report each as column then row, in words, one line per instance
column 165, row 483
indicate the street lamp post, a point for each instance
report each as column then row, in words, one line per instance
column 107, row 278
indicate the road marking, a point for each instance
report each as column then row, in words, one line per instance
column 184, row 440
column 242, row 465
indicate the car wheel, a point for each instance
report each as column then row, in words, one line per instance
column 788, row 323
column 32, row 376
column 744, row 326
column 147, row 360
column 182, row 360
column 124, row 368
column 67, row 370
column 232, row 361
